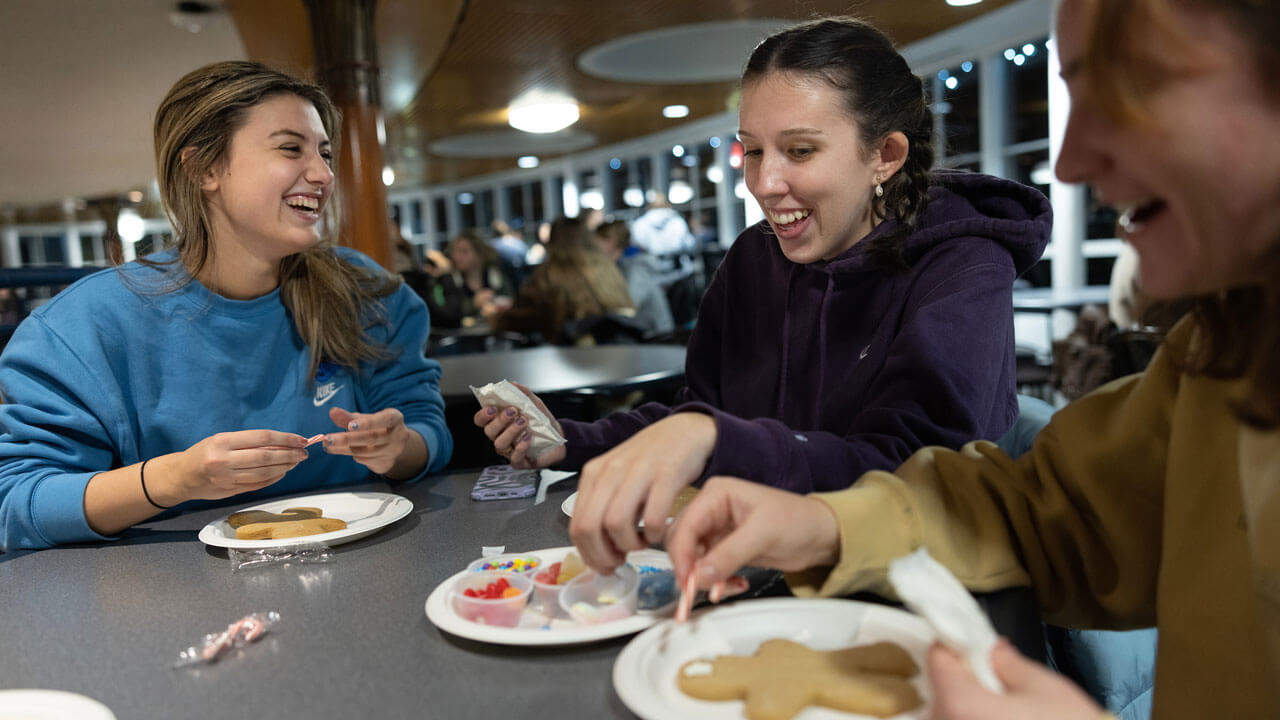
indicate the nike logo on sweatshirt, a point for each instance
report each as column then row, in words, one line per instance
column 325, row 393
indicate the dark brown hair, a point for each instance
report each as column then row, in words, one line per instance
column 881, row 95
column 331, row 300
column 1240, row 325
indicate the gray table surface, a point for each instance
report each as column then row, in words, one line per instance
column 108, row 620
column 552, row 369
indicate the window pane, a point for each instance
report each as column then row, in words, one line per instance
column 1029, row 91
column 1032, row 168
column 539, row 211
column 515, row 205
column 619, row 182
column 442, row 216
column 1100, row 220
column 417, row 225
column 958, row 89
column 53, row 254
column 707, row 172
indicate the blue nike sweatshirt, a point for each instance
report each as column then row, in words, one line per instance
column 121, row 367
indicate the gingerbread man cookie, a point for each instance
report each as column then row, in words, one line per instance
column 783, row 677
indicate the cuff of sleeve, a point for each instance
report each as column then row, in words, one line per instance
column 57, row 508
column 877, row 525
column 438, row 449
column 742, row 447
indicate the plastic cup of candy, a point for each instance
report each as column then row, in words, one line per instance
column 492, row 597
column 518, row 563
column 657, row 591
column 591, row 599
column 547, row 592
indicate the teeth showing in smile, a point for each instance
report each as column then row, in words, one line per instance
column 1133, row 215
column 303, row 202
column 788, row 218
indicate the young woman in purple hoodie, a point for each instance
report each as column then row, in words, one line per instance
column 869, row 315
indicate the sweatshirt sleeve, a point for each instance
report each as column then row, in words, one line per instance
column 1078, row 517
column 409, row 381
column 54, row 437
column 941, row 384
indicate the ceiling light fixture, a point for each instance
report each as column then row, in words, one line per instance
column 527, row 161
column 962, row 3
column 540, row 113
column 675, row 111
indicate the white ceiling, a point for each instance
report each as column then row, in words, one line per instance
column 80, row 83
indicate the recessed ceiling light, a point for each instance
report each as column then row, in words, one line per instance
column 388, row 176
column 527, row 161
column 962, row 3
column 540, row 113
column 675, row 111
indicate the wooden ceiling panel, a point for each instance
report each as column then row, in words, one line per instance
column 501, row 49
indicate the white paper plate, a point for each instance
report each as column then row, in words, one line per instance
column 50, row 705
column 566, row 507
column 645, row 673
column 364, row 512
column 533, row 628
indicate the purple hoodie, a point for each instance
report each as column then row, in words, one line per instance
column 817, row 373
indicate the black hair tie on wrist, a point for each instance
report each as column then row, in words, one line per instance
column 142, row 476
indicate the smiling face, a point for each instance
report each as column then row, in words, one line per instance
column 1197, row 183
column 265, row 199
column 806, row 165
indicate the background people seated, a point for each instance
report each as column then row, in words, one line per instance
column 575, row 281
column 641, row 273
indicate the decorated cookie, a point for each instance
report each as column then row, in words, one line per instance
column 288, row 528
column 783, row 677
column 247, row 517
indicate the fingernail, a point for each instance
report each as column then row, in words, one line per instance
column 491, row 411
column 520, row 421
column 510, row 412
column 524, row 437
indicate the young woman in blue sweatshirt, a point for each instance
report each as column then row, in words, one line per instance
column 196, row 374
column 869, row 315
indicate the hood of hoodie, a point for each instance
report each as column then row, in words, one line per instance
column 966, row 204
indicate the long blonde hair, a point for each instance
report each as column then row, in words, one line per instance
column 332, row 301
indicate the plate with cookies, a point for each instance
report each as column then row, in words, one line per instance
column 777, row 659
column 330, row 518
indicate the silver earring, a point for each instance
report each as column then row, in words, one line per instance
column 879, row 188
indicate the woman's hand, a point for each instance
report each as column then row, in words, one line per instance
column 732, row 523
column 227, row 464
column 638, row 479
column 1031, row 690
column 508, row 430
column 380, row 441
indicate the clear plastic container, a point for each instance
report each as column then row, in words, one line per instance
column 515, row 563
column 657, row 591
column 504, row 612
column 591, row 599
column 547, row 595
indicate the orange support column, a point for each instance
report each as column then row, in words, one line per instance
column 342, row 36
